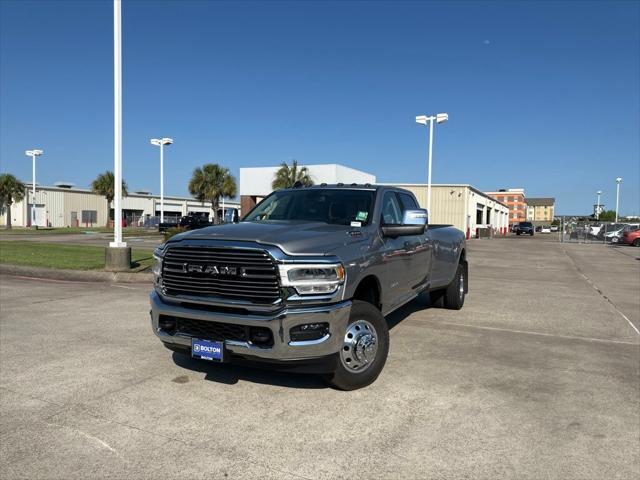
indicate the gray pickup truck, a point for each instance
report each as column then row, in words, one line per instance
column 305, row 280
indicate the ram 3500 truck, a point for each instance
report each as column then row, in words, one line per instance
column 305, row 280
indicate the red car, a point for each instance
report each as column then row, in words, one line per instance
column 632, row 237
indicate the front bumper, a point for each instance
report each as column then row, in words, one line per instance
column 280, row 323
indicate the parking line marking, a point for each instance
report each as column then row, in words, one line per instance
column 528, row 332
column 597, row 289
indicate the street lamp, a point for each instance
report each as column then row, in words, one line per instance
column 599, row 192
column 33, row 154
column 423, row 120
column 618, row 182
column 161, row 142
column 117, row 125
column 117, row 255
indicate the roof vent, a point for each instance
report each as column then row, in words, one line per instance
column 65, row 184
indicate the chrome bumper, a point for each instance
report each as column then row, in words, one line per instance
column 337, row 315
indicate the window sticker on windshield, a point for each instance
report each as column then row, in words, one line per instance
column 362, row 216
column 356, row 224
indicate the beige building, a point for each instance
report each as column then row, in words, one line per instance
column 540, row 209
column 463, row 206
column 67, row 206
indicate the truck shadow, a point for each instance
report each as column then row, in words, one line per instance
column 421, row 302
column 230, row 374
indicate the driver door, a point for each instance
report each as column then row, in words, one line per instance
column 395, row 255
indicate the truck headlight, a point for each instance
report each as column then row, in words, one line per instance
column 156, row 269
column 312, row 279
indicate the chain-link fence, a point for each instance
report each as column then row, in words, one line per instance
column 148, row 221
column 594, row 232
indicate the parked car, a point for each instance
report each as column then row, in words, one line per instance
column 193, row 221
column 594, row 230
column 545, row 229
column 554, row 228
column 305, row 280
column 632, row 237
column 525, row 228
column 613, row 232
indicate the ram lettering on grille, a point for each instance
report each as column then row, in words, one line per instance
column 221, row 273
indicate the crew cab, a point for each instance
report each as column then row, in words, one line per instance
column 305, row 280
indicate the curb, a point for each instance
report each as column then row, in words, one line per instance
column 75, row 275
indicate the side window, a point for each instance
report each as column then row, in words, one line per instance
column 391, row 211
column 408, row 203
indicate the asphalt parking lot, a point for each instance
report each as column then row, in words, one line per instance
column 537, row 377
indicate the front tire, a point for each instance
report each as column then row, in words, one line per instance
column 364, row 350
column 636, row 242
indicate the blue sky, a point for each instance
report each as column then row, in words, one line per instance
column 541, row 95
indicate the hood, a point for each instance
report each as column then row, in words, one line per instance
column 294, row 238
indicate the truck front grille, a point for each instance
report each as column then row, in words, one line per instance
column 207, row 330
column 218, row 273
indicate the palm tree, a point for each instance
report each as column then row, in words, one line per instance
column 211, row 182
column 104, row 184
column 11, row 191
column 287, row 176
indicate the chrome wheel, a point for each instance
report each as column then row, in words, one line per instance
column 461, row 285
column 360, row 346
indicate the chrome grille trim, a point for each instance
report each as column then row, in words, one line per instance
column 248, row 275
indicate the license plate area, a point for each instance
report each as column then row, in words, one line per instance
column 207, row 350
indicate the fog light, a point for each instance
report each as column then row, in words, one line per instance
column 166, row 323
column 308, row 331
column 260, row 336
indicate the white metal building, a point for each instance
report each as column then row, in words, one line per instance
column 70, row 207
column 463, row 206
column 255, row 182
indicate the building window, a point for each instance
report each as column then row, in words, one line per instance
column 89, row 216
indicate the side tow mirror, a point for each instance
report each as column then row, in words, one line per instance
column 414, row 222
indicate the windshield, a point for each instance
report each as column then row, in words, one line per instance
column 335, row 206
column 526, row 224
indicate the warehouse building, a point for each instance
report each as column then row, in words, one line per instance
column 255, row 182
column 64, row 205
column 463, row 206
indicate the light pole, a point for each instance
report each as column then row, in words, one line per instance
column 423, row 120
column 33, row 154
column 161, row 142
column 599, row 192
column 117, row 125
column 117, row 255
column 618, row 182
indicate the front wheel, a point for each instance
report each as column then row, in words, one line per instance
column 364, row 350
column 636, row 242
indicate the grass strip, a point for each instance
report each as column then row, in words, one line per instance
column 73, row 257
